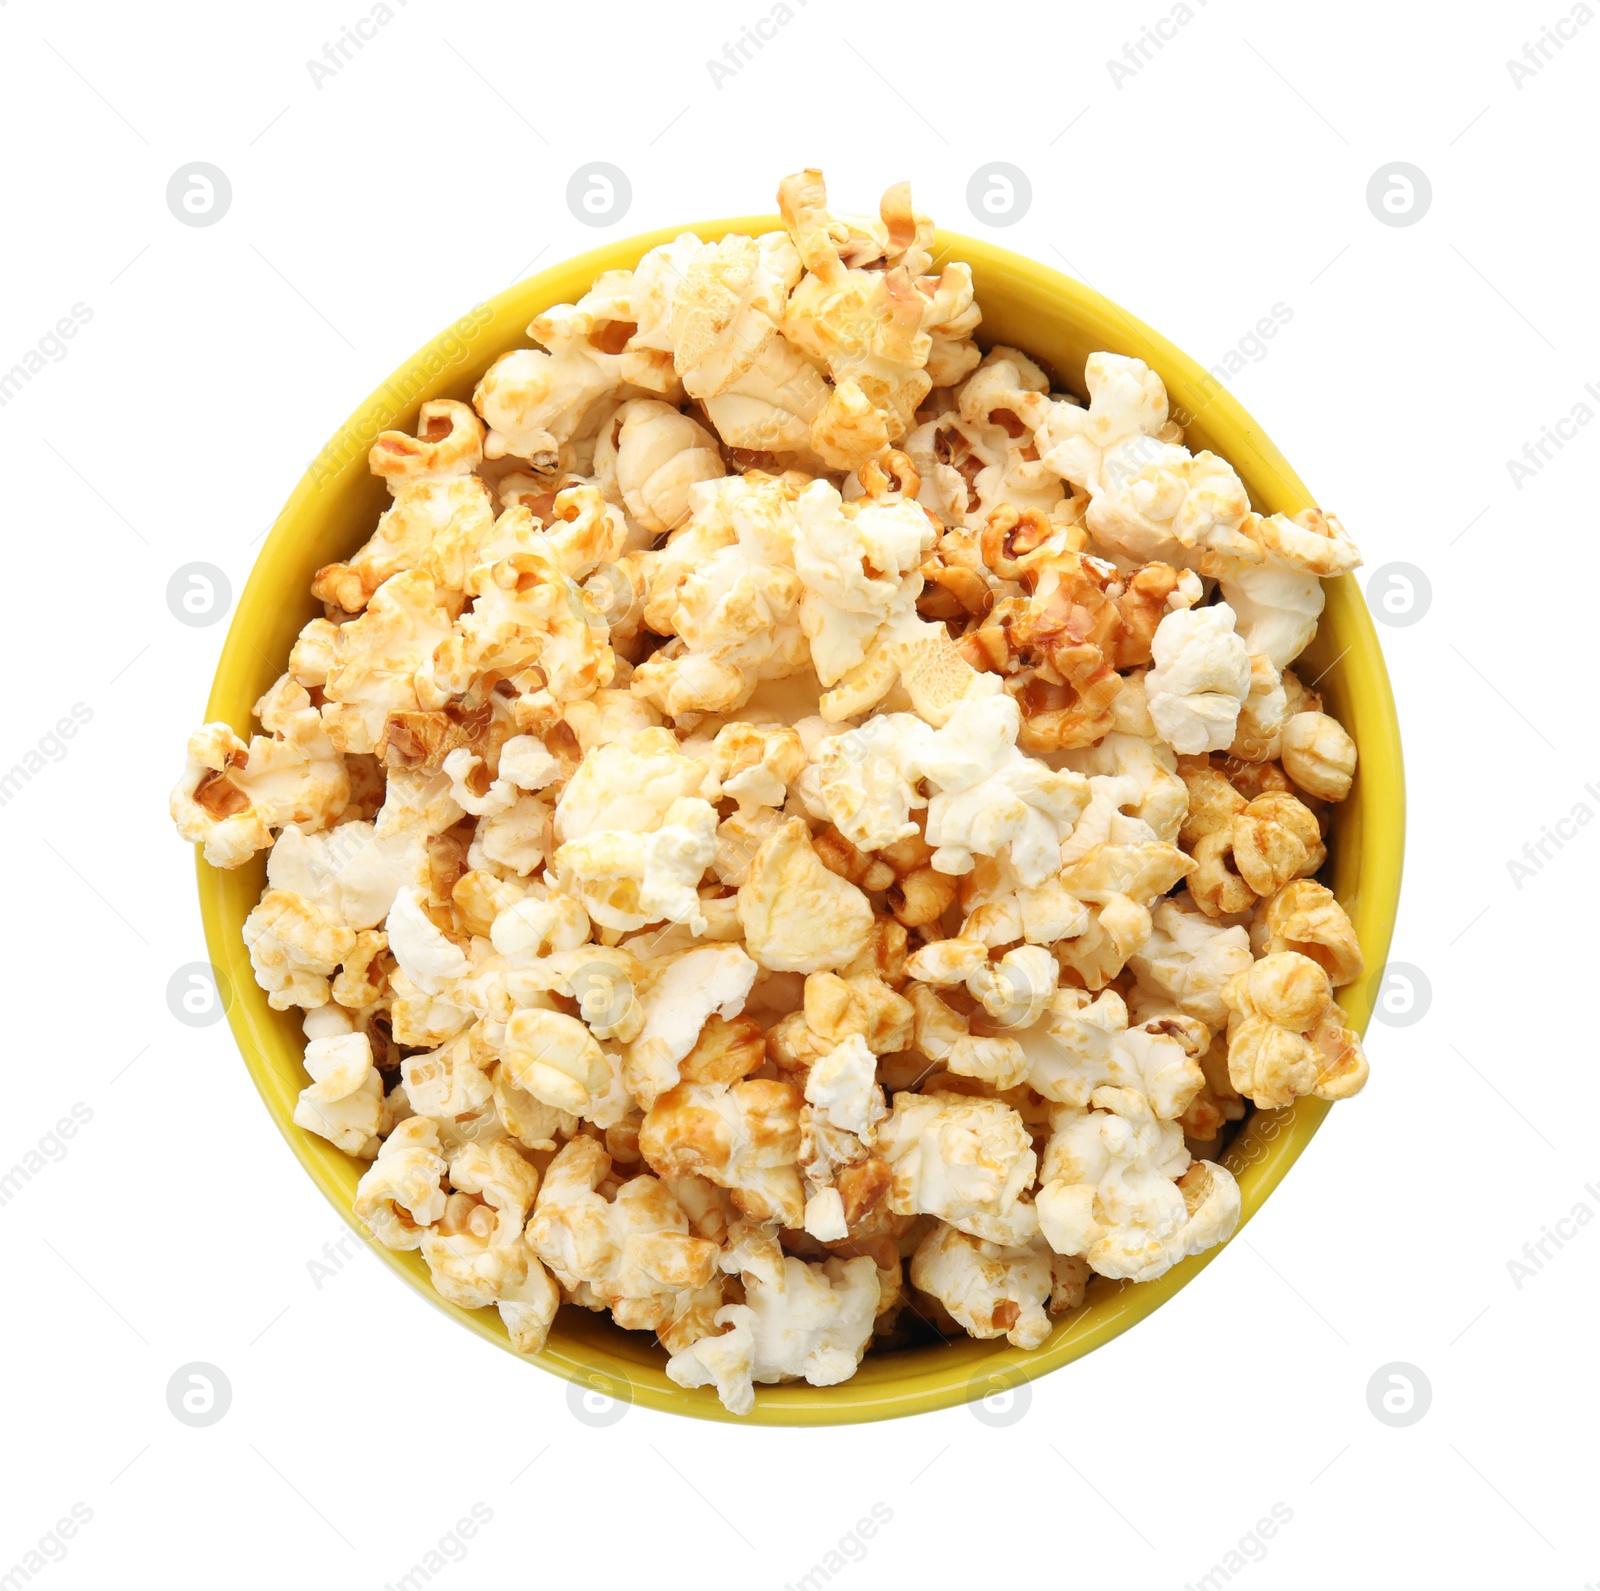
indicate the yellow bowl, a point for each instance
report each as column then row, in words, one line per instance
column 1058, row 321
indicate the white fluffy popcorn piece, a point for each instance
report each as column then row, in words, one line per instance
column 680, row 992
column 1015, row 990
column 1083, row 1043
column 531, row 929
column 814, row 1327
column 525, row 761
column 1160, row 503
column 526, row 615
column 351, row 872
column 1135, row 794
column 865, row 780
column 231, row 796
column 402, row 1192
column 344, row 1100
column 998, row 1060
column 993, row 799
column 294, row 949
column 726, row 309
column 726, row 588
column 629, row 784
column 756, row 763
column 534, row 399
column 1279, row 599
column 626, row 880
column 660, row 455
column 1190, row 959
column 798, row 916
column 1200, row 679
column 448, row 1082
column 990, row 1290
column 426, row 956
column 843, row 1086
column 556, row 1059
column 962, row 1158
column 859, row 565
column 1117, row 1187
column 1126, row 399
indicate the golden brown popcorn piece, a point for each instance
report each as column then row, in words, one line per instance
column 1304, row 916
column 441, row 514
column 743, row 1136
column 1319, row 755
column 726, row 1051
column 1287, row 1035
column 1276, row 838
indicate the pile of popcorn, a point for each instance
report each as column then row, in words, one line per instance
column 792, row 830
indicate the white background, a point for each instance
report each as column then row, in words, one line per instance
column 1226, row 175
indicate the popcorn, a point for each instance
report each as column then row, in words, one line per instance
column 989, row 1289
column 844, row 609
column 771, row 773
column 294, row 949
column 440, row 516
column 961, row 1158
column 1159, row 501
column 555, row 1058
column 1200, row 679
column 660, row 455
column 1117, row 1187
column 1319, row 755
column 742, row 1136
column 344, row 1100
column 1085, row 1044
column 1304, row 916
column 815, row 1327
column 797, row 916
column 534, row 400
column 402, row 1193
column 756, row 763
column 232, row 796
column 843, row 1086
column 1189, row 959
column 627, row 880
column 632, row 1253
column 682, row 992
column 1287, row 1035
column 1278, row 598
column 1126, row 401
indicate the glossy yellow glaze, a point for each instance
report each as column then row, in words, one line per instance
column 1058, row 321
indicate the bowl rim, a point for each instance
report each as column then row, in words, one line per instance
column 1279, row 1136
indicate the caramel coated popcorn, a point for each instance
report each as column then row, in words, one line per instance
column 792, row 828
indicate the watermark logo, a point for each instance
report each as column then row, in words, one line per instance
column 1404, row 995
column 1399, row 194
column 198, row 595
column 1399, row 594
column 198, row 995
column 999, row 194
column 1399, row 1394
column 999, row 1397
column 599, row 194
column 601, row 1399
column 199, row 1394
column 199, row 194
